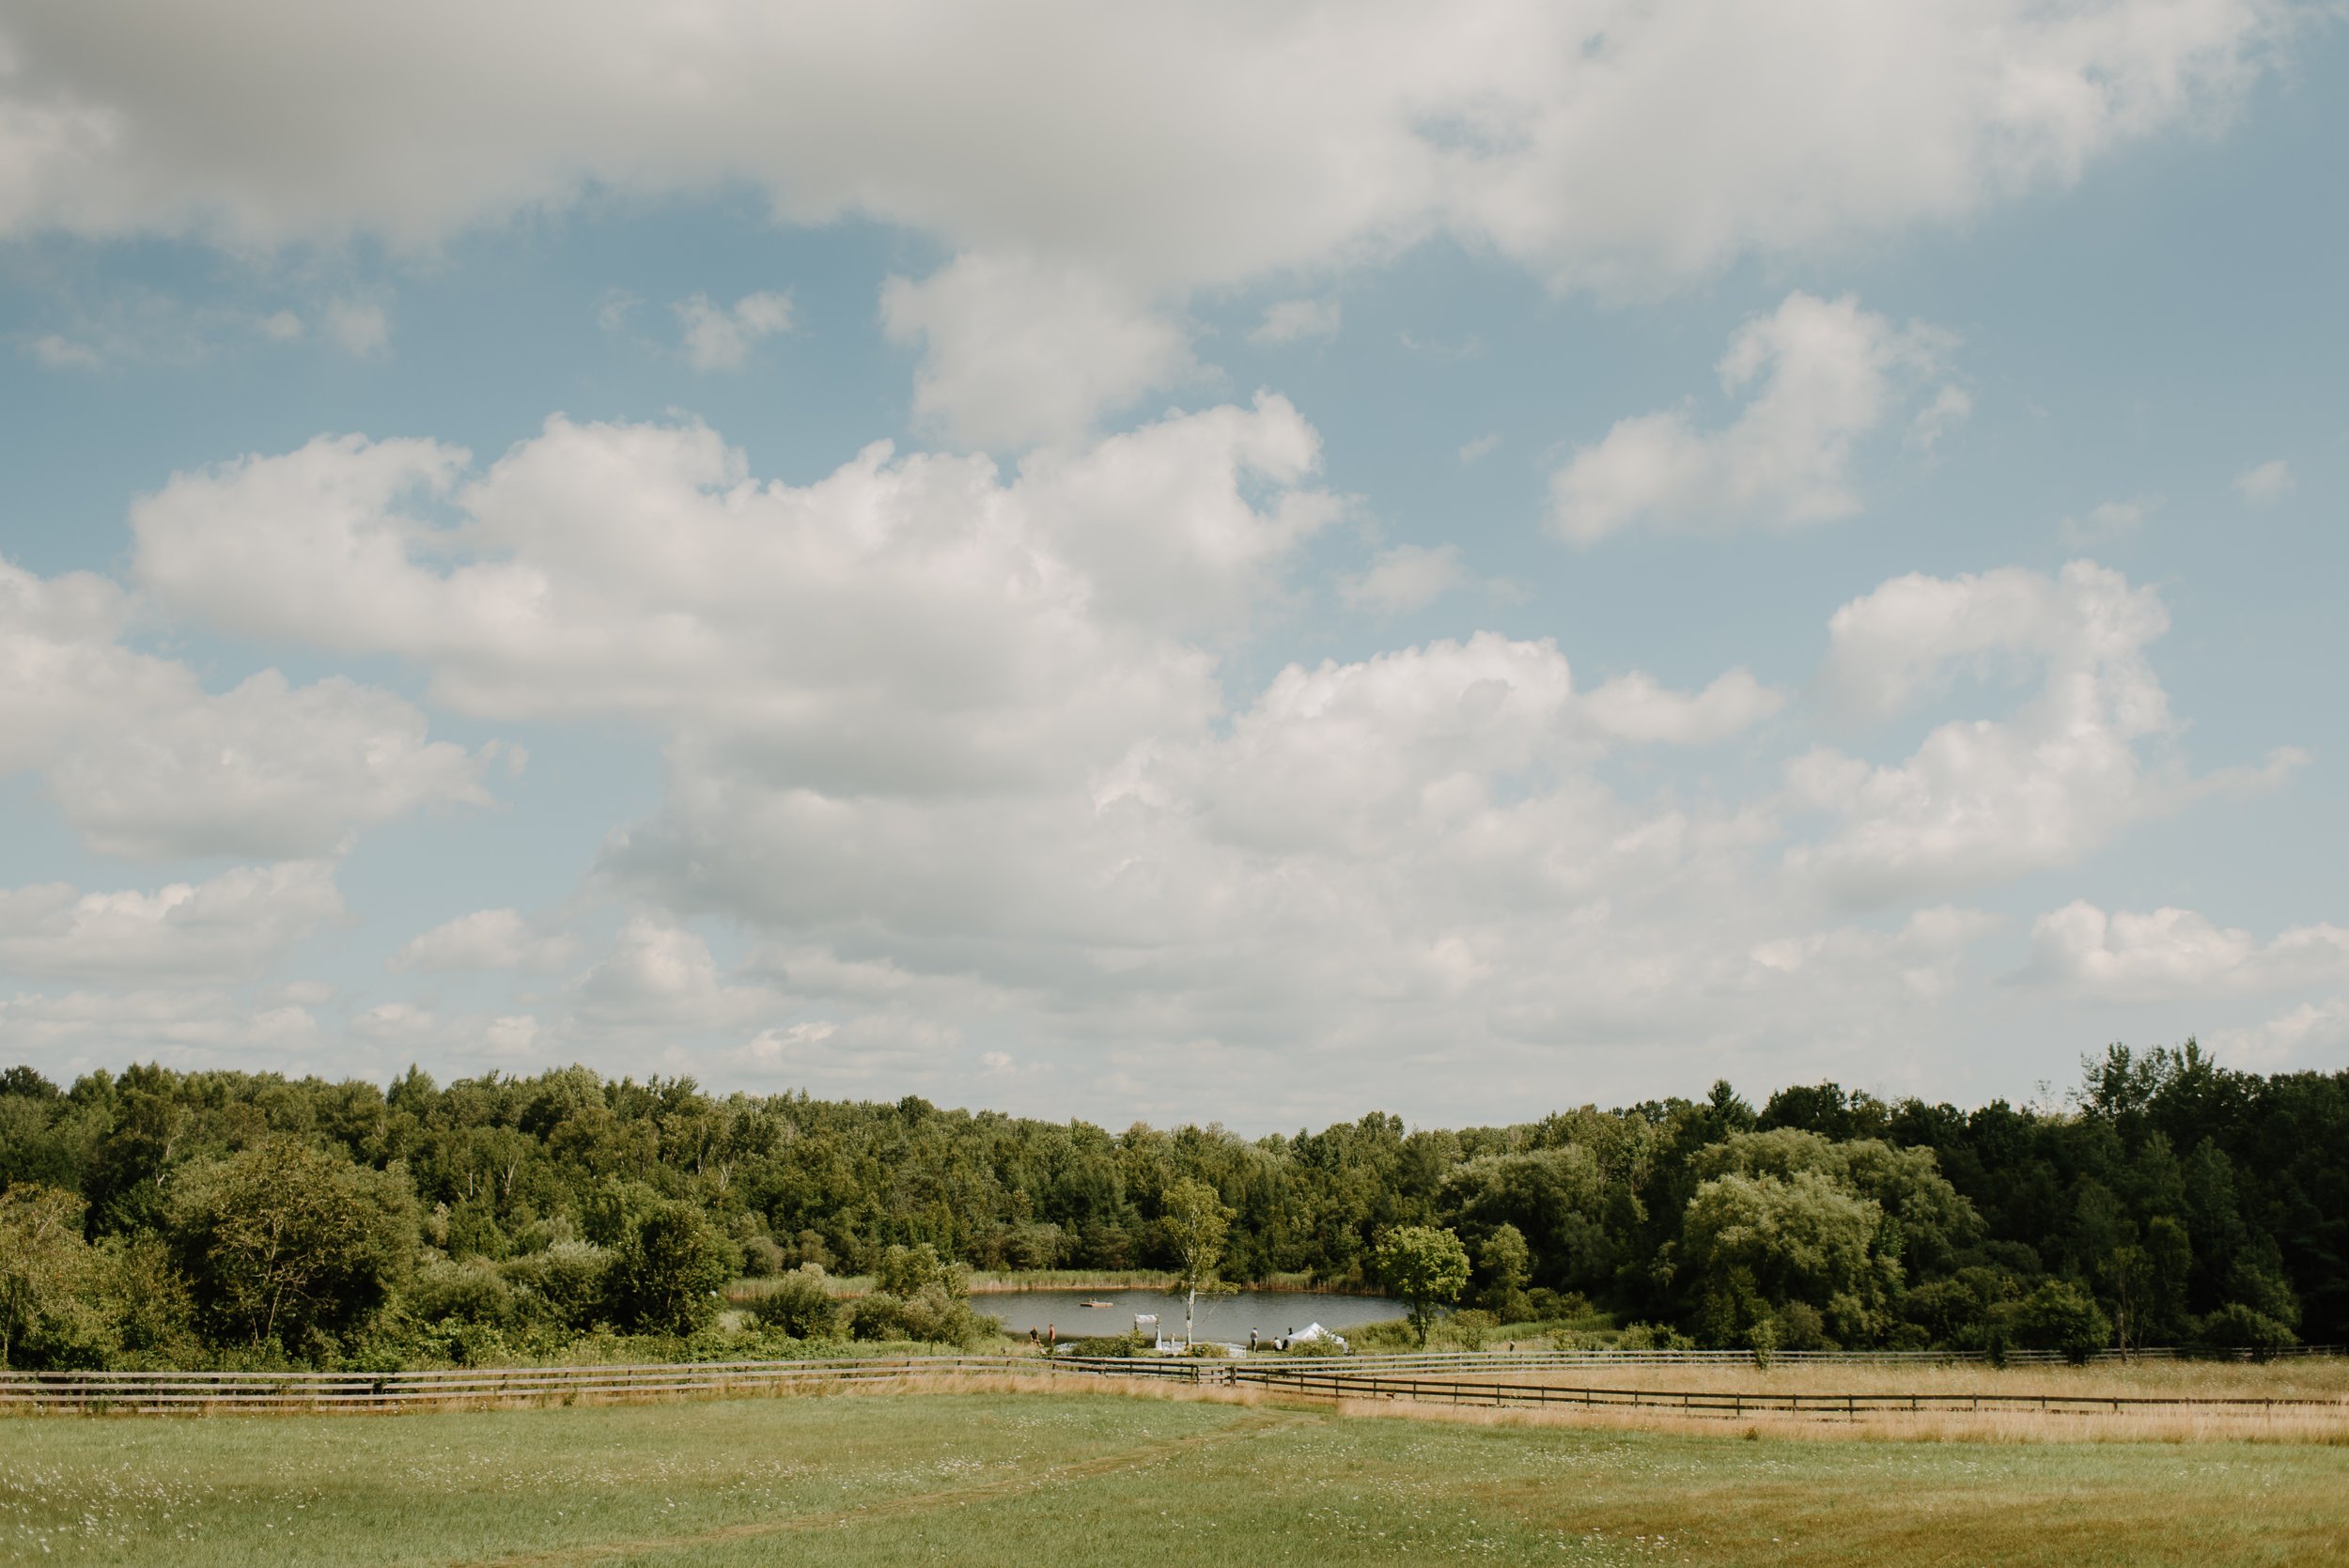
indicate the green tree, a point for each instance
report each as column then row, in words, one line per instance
column 1505, row 1259
column 1195, row 1222
column 1754, row 1245
column 285, row 1241
column 669, row 1271
column 2060, row 1316
column 44, row 1267
column 1428, row 1268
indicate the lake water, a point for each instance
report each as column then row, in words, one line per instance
column 1228, row 1318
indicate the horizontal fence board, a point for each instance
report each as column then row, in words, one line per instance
column 1416, row 1376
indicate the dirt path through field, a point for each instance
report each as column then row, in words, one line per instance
column 1253, row 1423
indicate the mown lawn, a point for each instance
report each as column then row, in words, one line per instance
column 1040, row 1480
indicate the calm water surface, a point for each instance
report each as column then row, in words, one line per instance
column 1270, row 1312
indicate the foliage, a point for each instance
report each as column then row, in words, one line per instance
column 669, row 1272
column 2060, row 1316
column 2169, row 1192
column 285, row 1241
column 1425, row 1267
column 800, row 1305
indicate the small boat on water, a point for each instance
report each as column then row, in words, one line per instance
column 1097, row 1303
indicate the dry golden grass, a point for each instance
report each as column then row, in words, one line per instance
column 2308, row 1377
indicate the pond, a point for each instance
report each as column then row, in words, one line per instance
column 1228, row 1318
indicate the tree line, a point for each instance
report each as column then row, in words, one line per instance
column 218, row 1218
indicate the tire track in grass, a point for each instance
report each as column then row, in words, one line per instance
column 1254, row 1424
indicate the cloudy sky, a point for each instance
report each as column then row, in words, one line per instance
column 1236, row 560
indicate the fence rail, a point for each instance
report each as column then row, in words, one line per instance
column 1338, row 1385
column 1356, row 1376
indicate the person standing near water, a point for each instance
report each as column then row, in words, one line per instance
column 1051, row 1339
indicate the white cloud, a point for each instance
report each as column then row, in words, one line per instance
column 1822, row 373
column 1983, row 800
column 360, row 328
column 1060, row 130
column 2291, row 1039
column 142, row 761
column 1634, row 707
column 1405, row 577
column 719, row 337
column 56, row 352
column 2108, row 521
column 485, row 940
column 178, row 1026
column 1482, row 447
column 1018, row 351
column 2176, row 953
column 662, row 975
column 282, row 326
column 218, row 930
column 968, row 759
column 1294, row 321
column 902, row 618
column 2270, row 481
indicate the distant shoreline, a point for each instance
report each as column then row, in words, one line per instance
column 1000, row 1285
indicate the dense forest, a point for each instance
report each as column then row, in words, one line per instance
column 218, row 1218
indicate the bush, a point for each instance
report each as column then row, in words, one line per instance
column 1107, row 1344
column 2061, row 1316
column 2237, row 1326
column 762, row 1259
column 800, row 1306
column 468, row 1292
column 878, row 1317
column 1653, row 1336
column 906, row 1272
column 564, row 1285
column 665, row 1278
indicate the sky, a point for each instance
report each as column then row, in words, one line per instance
column 1238, row 563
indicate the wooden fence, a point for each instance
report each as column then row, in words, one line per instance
column 1330, row 1382
column 1358, row 1376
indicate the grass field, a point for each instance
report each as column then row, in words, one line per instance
column 1099, row 1477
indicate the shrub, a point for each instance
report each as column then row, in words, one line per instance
column 286, row 1243
column 906, row 1272
column 762, row 1259
column 564, row 1285
column 800, row 1306
column 2239, row 1327
column 665, row 1278
column 468, row 1292
column 878, row 1317
column 2061, row 1316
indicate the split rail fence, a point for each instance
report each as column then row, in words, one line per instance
column 1457, row 1378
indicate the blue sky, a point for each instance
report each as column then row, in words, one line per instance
column 1455, row 562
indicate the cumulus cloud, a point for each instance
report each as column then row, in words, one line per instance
column 662, row 974
column 225, row 928
column 1018, row 350
column 2108, row 521
column 1983, row 800
column 903, row 618
column 1405, row 577
column 360, row 327
column 720, row 337
column 143, row 761
column 2270, row 481
column 2172, row 953
column 2295, row 1038
column 1063, row 130
column 484, row 940
column 1294, row 321
column 968, row 757
column 1822, row 375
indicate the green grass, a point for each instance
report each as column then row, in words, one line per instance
column 1036, row 1479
